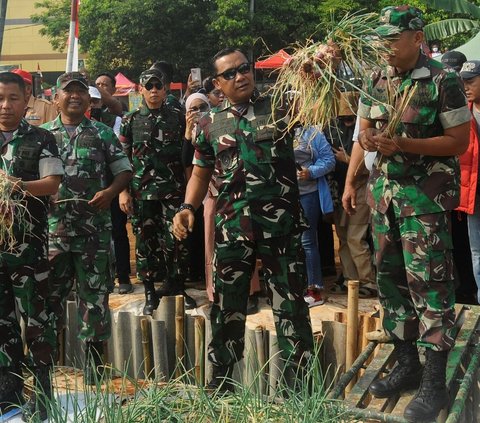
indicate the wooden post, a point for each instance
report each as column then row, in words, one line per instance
column 352, row 328
column 179, row 338
column 199, row 349
column 147, row 359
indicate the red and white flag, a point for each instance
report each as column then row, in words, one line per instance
column 72, row 52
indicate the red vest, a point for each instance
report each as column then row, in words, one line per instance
column 469, row 171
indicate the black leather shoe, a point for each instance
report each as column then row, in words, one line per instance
column 221, row 381
column 432, row 396
column 406, row 375
column 151, row 301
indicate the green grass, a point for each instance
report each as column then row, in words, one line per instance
column 180, row 400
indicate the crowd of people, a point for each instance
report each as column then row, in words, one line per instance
column 216, row 188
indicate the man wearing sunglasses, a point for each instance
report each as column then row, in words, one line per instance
column 152, row 138
column 257, row 216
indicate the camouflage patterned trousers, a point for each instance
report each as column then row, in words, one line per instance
column 24, row 285
column 85, row 260
column 158, row 255
column 284, row 273
column 415, row 277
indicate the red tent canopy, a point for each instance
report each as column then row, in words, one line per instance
column 274, row 61
column 123, row 84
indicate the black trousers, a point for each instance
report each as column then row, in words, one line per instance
column 120, row 240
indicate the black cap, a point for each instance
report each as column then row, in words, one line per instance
column 454, row 59
column 470, row 69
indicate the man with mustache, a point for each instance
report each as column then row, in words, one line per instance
column 79, row 218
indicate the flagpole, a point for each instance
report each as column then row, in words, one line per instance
column 72, row 38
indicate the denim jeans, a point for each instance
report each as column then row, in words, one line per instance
column 474, row 235
column 311, row 206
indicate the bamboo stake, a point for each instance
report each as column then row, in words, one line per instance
column 260, row 357
column 360, row 329
column 352, row 327
column 179, row 333
column 199, row 349
column 147, row 358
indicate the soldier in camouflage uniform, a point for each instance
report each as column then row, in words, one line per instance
column 30, row 160
column 413, row 185
column 79, row 218
column 152, row 138
column 258, row 214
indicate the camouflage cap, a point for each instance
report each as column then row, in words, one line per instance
column 396, row 19
column 149, row 74
column 470, row 69
column 67, row 78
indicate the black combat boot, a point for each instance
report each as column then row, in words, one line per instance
column 177, row 287
column 11, row 387
column 432, row 395
column 93, row 371
column 151, row 299
column 221, row 381
column 36, row 407
column 406, row 375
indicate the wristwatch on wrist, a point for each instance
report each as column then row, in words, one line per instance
column 186, row 206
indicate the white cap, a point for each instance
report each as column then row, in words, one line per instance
column 94, row 93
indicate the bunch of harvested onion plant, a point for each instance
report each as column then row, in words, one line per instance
column 311, row 73
column 13, row 211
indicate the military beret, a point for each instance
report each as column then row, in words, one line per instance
column 26, row 76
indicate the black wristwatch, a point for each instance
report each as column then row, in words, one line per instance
column 186, row 206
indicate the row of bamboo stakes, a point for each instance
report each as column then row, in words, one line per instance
column 152, row 351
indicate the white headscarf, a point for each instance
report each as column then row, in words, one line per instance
column 195, row 96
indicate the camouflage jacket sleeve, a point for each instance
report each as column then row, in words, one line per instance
column 453, row 109
column 114, row 155
column 204, row 152
column 125, row 137
column 50, row 162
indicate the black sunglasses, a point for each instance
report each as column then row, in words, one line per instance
column 229, row 74
column 149, row 85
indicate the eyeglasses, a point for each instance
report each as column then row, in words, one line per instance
column 229, row 74
column 149, row 85
column 216, row 93
column 203, row 108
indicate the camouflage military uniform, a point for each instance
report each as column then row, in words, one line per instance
column 258, row 215
column 32, row 154
column 79, row 234
column 409, row 196
column 153, row 142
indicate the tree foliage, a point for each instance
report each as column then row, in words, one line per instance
column 128, row 35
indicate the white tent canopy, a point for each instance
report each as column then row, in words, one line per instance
column 471, row 49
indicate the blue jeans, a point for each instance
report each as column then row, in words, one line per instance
column 311, row 206
column 474, row 235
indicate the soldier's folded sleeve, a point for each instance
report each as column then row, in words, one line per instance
column 453, row 106
column 50, row 166
column 120, row 165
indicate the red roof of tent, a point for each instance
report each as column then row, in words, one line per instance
column 124, row 85
column 274, row 61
